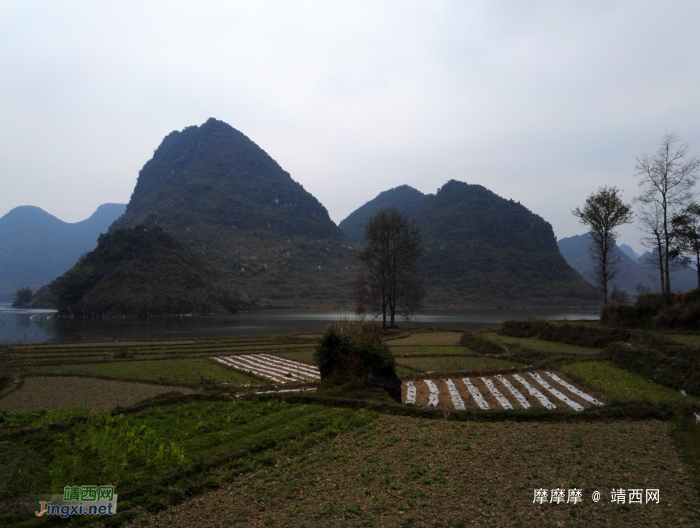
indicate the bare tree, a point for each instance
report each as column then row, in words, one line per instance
column 602, row 213
column 686, row 227
column 667, row 178
column 651, row 218
column 390, row 281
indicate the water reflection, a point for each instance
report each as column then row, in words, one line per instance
column 37, row 326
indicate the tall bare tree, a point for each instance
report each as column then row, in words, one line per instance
column 390, row 281
column 686, row 226
column 602, row 213
column 667, row 178
column 651, row 218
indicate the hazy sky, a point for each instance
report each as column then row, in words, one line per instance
column 541, row 102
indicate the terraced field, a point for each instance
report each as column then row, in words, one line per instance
column 274, row 368
column 524, row 390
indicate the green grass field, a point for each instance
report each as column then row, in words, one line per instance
column 190, row 371
column 692, row 340
column 541, row 344
column 451, row 364
column 621, row 385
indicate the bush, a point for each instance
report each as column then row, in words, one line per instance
column 674, row 366
column 351, row 353
column 571, row 334
column 481, row 345
column 655, row 311
column 22, row 298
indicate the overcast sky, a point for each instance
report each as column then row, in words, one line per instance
column 541, row 102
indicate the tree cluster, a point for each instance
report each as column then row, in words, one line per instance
column 668, row 216
column 390, row 282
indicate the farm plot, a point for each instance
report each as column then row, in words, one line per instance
column 274, row 368
column 524, row 390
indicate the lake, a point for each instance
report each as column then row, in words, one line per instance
column 39, row 326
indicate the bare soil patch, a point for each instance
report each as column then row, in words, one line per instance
column 54, row 392
column 406, row 472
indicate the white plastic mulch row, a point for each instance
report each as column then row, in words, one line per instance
column 263, row 373
column 457, row 400
column 557, row 394
column 275, row 391
column 434, row 393
column 410, row 393
column 496, row 393
column 274, row 368
column 515, row 392
column 534, row 392
column 481, row 402
column 574, row 390
column 478, row 398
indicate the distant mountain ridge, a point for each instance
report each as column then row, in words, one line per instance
column 631, row 272
column 36, row 247
column 480, row 248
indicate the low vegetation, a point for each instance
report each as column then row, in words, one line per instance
column 656, row 312
column 592, row 336
column 162, row 453
column 354, row 355
column 619, row 384
column 303, row 460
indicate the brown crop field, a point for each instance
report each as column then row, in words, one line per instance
column 55, row 392
column 406, row 472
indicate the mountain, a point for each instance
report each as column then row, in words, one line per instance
column 631, row 272
column 139, row 272
column 480, row 249
column 225, row 198
column 404, row 198
column 36, row 247
column 631, row 253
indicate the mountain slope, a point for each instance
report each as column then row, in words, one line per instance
column 631, row 272
column 140, row 272
column 214, row 189
column 406, row 199
column 36, row 247
column 481, row 249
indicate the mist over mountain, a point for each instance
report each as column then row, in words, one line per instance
column 632, row 272
column 480, row 248
column 218, row 192
column 36, row 247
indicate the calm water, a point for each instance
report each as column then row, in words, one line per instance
column 38, row 326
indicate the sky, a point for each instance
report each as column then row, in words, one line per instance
column 540, row 102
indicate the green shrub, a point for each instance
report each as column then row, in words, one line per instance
column 349, row 350
column 674, row 366
column 572, row 334
column 657, row 312
column 354, row 355
column 481, row 344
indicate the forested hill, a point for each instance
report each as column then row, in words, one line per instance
column 36, row 247
column 404, row 198
column 480, row 248
column 142, row 271
column 223, row 196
